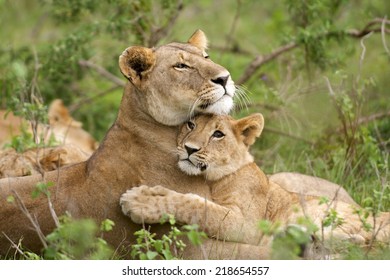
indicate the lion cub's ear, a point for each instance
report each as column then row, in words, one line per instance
column 136, row 62
column 250, row 128
column 199, row 40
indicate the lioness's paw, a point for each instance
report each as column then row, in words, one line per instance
column 144, row 204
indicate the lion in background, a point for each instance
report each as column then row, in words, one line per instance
column 39, row 160
column 62, row 126
column 217, row 148
column 73, row 143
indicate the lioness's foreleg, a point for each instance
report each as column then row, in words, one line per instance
column 148, row 205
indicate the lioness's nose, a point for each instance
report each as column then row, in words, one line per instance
column 190, row 150
column 221, row 80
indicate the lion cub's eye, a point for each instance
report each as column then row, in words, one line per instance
column 181, row 66
column 218, row 134
column 190, row 125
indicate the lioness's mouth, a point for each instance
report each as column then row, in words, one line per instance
column 205, row 106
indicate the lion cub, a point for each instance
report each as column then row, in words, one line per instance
column 216, row 147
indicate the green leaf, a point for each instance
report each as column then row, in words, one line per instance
column 158, row 245
column 194, row 237
column 151, row 255
column 10, row 199
column 107, row 225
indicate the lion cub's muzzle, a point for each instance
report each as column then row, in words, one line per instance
column 190, row 161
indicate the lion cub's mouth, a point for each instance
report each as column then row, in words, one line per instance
column 200, row 165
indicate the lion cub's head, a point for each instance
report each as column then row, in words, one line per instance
column 215, row 145
column 177, row 80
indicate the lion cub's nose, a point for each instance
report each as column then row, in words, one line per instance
column 221, row 80
column 191, row 150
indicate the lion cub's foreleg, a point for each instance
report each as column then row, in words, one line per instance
column 148, row 205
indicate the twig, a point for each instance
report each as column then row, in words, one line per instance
column 232, row 28
column 295, row 137
column 162, row 31
column 373, row 117
column 103, row 72
column 88, row 99
column 30, row 218
column 260, row 60
column 235, row 49
column 13, row 244
column 362, row 56
column 263, row 59
column 383, row 29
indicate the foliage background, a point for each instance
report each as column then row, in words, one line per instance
column 325, row 100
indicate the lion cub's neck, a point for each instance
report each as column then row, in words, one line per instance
column 247, row 183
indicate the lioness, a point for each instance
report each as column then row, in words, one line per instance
column 167, row 84
column 241, row 194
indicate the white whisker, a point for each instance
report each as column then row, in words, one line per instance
column 192, row 109
column 242, row 97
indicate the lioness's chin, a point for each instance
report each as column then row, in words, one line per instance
column 188, row 168
column 222, row 106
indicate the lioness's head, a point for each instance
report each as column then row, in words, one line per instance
column 216, row 145
column 178, row 80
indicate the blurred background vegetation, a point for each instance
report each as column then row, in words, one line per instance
column 317, row 70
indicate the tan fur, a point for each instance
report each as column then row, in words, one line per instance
column 241, row 193
column 67, row 130
column 62, row 126
column 199, row 40
column 38, row 160
column 138, row 149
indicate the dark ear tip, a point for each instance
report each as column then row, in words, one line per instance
column 135, row 61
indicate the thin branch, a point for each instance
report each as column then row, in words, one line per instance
column 13, row 244
column 260, row 60
column 377, row 21
column 383, row 31
column 373, row 117
column 30, row 218
column 235, row 49
column 89, row 99
column 363, row 54
column 367, row 119
column 232, row 28
column 103, row 72
column 162, row 31
column 282, row 133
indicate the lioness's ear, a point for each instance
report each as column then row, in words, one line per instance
column 199, row 40
column 250, row 128
column 136, row 62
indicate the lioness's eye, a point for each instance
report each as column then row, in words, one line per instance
column 181, row 66
column 190, row 125
column 218, row 134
